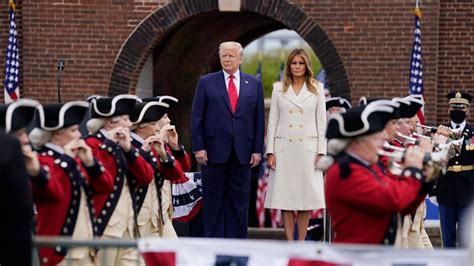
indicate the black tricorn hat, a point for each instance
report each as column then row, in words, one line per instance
column 337, row 102
column 92, row 97
column 361, row 120
column 364, row 100
column 56, row 116
column 17, row 114
column 459, row 98
column 409, row 106
column 147, row 112
column 105, row 107
column 170, row 100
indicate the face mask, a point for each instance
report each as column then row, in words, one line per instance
column 457, row 116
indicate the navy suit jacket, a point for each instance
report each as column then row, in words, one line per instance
column 215, row 128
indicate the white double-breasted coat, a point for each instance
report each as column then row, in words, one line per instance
column 295, row 135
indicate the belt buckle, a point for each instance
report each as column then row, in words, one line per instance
column 457, row 168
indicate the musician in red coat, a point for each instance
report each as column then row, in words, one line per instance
column 64, row 198
column 182, row 160
column 146, row 139
column 413, row 233
column 186, row 192
column 363, row 202
column 110, row 142
column 170, row 135
column 407, row 108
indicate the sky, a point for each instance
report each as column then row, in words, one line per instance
column 275, row 40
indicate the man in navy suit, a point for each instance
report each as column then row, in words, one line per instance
column 227, row 124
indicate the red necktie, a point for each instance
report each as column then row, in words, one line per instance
column 232, row 90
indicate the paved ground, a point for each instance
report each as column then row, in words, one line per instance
column 278, row 234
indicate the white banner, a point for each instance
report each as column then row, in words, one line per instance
column 201, row 251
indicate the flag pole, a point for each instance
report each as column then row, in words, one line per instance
column 60, row 67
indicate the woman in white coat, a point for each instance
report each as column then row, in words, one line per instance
column 295, row 143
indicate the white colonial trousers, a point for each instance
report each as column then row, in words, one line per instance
column 295, row 135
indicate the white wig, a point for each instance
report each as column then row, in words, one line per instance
column 38, row 137
column 95, row 124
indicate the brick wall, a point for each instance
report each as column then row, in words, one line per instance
column 87, row 34
column 455, row 52
column 374, row 39
column 370, row 41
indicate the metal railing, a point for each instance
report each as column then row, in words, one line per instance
column 103, row 244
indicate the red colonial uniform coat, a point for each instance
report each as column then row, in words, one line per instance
column 117, row 163
column 362, row 204
column 170, row 170
column 57, row 192
column 181, row 156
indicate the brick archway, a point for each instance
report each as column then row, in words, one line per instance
column 183, row 37
column 198, row 19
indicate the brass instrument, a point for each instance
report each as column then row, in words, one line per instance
column 440, row 157
column 387, row 145
column 408, row 139
column 393, row 166
column 453, row 133
column 451, row 148
column 437, row 160
column 456, row 133
column 455, row 147
column 454, row 144
column 431, row 129
column 419, row 136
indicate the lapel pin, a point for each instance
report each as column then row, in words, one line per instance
column 246, row 82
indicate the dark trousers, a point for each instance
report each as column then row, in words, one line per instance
column 451, row 217
column 226, row 189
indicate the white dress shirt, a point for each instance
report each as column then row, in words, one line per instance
column 462, row 125
column 236, row 80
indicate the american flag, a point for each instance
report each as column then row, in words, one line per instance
column 275, row 215
column 261, row 191
column 259, row 71
column 321, row 76
column 416, row 67
column 12, row 63
column 280, row 72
